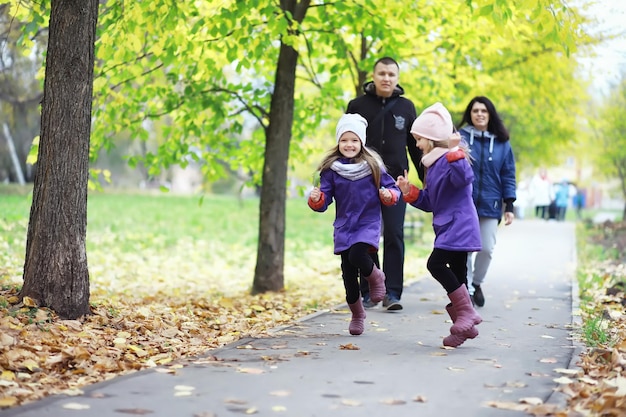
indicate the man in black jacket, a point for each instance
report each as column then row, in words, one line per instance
column 389, row 117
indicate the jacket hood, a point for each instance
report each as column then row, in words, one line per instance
column 473, row 132
column 370, row 89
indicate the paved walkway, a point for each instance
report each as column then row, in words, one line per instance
column 397, row 367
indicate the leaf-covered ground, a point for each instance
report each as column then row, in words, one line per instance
column 159, row 303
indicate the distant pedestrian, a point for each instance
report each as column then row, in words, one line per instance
column 579, row 202
column 561, row 199
column 542, row 194
column 355, row 178
column 447, row 194
column 494, row 188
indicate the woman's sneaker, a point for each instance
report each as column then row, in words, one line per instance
column 478, row 298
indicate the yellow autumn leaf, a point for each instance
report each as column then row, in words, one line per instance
column 8, row 401
column 31, row 365
column 138, row 351
column 29, row 302
column 7, row 375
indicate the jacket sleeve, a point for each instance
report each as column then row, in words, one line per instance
column 507, row 175
column 460, row 173
column 423, row 200
column 327, row 188
column 317, row 205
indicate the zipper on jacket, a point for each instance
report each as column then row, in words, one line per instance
column 382, row 123
column 481, row 169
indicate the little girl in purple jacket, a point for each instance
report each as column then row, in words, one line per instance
column 447, row 194
column 356, row 179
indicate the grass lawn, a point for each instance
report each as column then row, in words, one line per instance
column 145, row 243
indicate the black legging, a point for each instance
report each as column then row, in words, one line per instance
column 393, row 250
column 449, row 268
column 352, row 260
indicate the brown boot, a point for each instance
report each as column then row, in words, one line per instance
column 357, row 324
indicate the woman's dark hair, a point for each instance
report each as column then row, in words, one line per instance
column 495, row 125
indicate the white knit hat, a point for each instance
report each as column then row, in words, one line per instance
column 435, row 123
column 352, row 122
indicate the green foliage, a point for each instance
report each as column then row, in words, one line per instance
column 195, row 79
column 610, row 128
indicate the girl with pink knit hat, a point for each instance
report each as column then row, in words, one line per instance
column 447, row 194
column 355, row 178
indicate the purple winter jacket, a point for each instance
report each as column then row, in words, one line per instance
column 448, row 195
column 358, row 215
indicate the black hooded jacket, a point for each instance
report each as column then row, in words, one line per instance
column 390, row 134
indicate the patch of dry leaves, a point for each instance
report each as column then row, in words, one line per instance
column 42, row 355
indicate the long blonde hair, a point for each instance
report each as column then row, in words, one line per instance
column 368, row 155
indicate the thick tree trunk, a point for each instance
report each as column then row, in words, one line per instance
column 55, row 268
column 269, row 271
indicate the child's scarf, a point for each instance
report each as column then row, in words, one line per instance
column 352, row 172
column 432, row 156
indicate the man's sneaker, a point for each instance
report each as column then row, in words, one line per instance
column 368, row 303
column 478, row 297
column 392, row 303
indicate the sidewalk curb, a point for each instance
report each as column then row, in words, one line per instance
column 558, row 397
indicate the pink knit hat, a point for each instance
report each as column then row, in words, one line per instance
column 435, row 123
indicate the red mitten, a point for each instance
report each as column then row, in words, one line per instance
column 455, row 155
column 412, row 195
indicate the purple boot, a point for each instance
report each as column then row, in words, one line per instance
column 357, row 324
column 456, row 340
column 466, row 316
column 376, row 281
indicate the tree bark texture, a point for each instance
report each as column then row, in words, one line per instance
column 55, row 269
column 269, row 271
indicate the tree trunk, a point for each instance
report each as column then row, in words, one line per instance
column 269, row 271
column 55, row 268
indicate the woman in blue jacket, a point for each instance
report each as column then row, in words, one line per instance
column 494, row 182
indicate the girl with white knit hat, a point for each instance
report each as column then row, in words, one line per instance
column 355, row 178
column 447, row 194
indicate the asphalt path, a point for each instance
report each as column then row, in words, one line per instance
column 397, row 367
